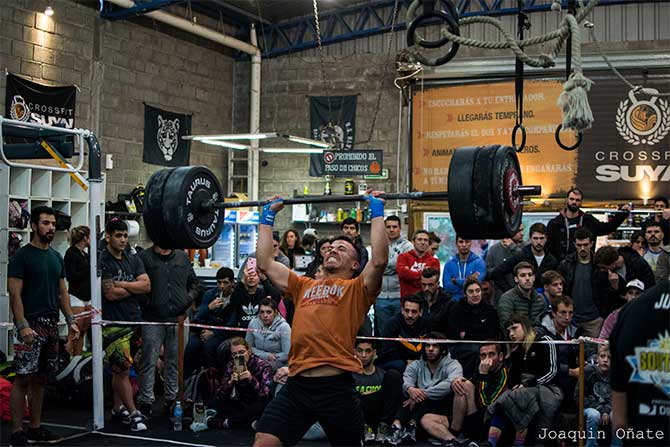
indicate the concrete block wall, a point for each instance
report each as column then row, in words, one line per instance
column 118, row 66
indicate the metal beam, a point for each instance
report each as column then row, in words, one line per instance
column 374, row 17
column 141, row 7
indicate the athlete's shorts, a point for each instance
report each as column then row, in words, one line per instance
column 120, row 345
column 332, row 401
column 42, row 355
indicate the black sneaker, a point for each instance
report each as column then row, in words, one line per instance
column 137, row 421
column 122, row 415
column 18, row 438
column 395, row 436
column 409, row 433
column 369, row 436
column 146, row 410
column 383, row 432
column 41, row 435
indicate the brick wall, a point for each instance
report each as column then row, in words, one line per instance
column 119, row 66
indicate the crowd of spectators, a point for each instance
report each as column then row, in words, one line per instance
column 491, row 383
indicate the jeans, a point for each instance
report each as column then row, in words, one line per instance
column 199, row 353
column 153, row 337
column 592, row 421
column 385, row 309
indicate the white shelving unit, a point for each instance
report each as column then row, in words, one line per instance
column 34, row 187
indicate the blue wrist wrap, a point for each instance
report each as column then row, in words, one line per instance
column 267, row 215
column 376, row 207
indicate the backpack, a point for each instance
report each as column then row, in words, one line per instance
column 137, row 196
column 13, row 244
column 18, row 216
column 201, row 386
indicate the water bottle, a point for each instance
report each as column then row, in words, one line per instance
column 178, row 412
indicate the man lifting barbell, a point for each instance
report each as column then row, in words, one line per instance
column 328, row 313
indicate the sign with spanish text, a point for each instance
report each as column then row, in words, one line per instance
column 352, row 163
column 448, row 117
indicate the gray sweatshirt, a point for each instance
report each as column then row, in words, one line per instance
column 390, row 283
column 277, row 340
column 437, row 385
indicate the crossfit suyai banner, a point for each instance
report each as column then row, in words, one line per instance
column 36, row 103
column 164, row 144
column 448, row 117
column 625, row 155
column 331, row 119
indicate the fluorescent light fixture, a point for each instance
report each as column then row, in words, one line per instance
column 49, row 11
column 232, row 136
column 227, row 144
column 308, row 141
column 291, row 150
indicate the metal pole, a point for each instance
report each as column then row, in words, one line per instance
column 180, row 357
column 581, row 392
column 530, row 190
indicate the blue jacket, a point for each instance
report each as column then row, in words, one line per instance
column 460, row 271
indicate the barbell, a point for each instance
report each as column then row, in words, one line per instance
column 182, row 207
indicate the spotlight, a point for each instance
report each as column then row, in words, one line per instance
column 49, row 11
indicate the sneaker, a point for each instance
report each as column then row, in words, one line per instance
column 369, row 436
column 460, row 441
column 146, row 410
column 382, row 432
column 198, row 426
column 395, row 436
column 480, row 444
column 137, row 421
column 409, row 433
column 41, row 435
column 18, row 438
column 435, row 441
column 122, row 415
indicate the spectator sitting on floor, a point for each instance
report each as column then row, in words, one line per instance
column 474, row 397
column 471, row 319
column 409, row 323
column 552, row 285
column 428, row 385
column 597, row 398
column 243, row 393
column 380, row 393
column 270, row 338
column 465, row 264
column 215, row 310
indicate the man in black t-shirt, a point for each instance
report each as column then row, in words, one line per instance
column 123, row 281
column 380, row 393
column 36, row 283
column 640, row 376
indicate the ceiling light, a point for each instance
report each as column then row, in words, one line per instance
column 227, row 144
column 292, row 150
column 308, row 141
column 49, row 11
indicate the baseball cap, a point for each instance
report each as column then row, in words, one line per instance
column 637, row 284
column 311, row 231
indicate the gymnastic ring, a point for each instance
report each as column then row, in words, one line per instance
column 557, row 136
column 453, row 28
column 451, row 10
column 523, row 137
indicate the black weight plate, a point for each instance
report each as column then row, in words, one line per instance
column 460, row 183
column 185, row 191
column 153, row 208
column 488, row 226
column 507, row 206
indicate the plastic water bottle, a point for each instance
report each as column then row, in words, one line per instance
column 178, row 412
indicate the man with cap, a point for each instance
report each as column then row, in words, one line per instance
column 633, row 289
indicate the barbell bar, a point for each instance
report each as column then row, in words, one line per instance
column 485, row 195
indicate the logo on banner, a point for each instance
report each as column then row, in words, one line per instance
column 19, row 110
column 643, row 121
column 651, row 363
column 168, row 136
column 335, row 135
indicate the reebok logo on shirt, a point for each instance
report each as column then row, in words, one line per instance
column 323, row 294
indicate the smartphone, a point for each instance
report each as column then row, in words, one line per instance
column 251, row 266
column 238, row 364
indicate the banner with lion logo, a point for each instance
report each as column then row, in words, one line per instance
column 626, row 155
column 332, row 119
column 163, row 137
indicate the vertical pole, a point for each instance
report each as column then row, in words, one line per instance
column 253, row 160
column 582, row 361
column 180, row 357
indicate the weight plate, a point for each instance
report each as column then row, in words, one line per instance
column 189, row 225
column 482, row 194
column 460, row 183
column 506, row 180
column 153, row 208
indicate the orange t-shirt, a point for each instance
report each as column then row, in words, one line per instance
column 328, row 314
